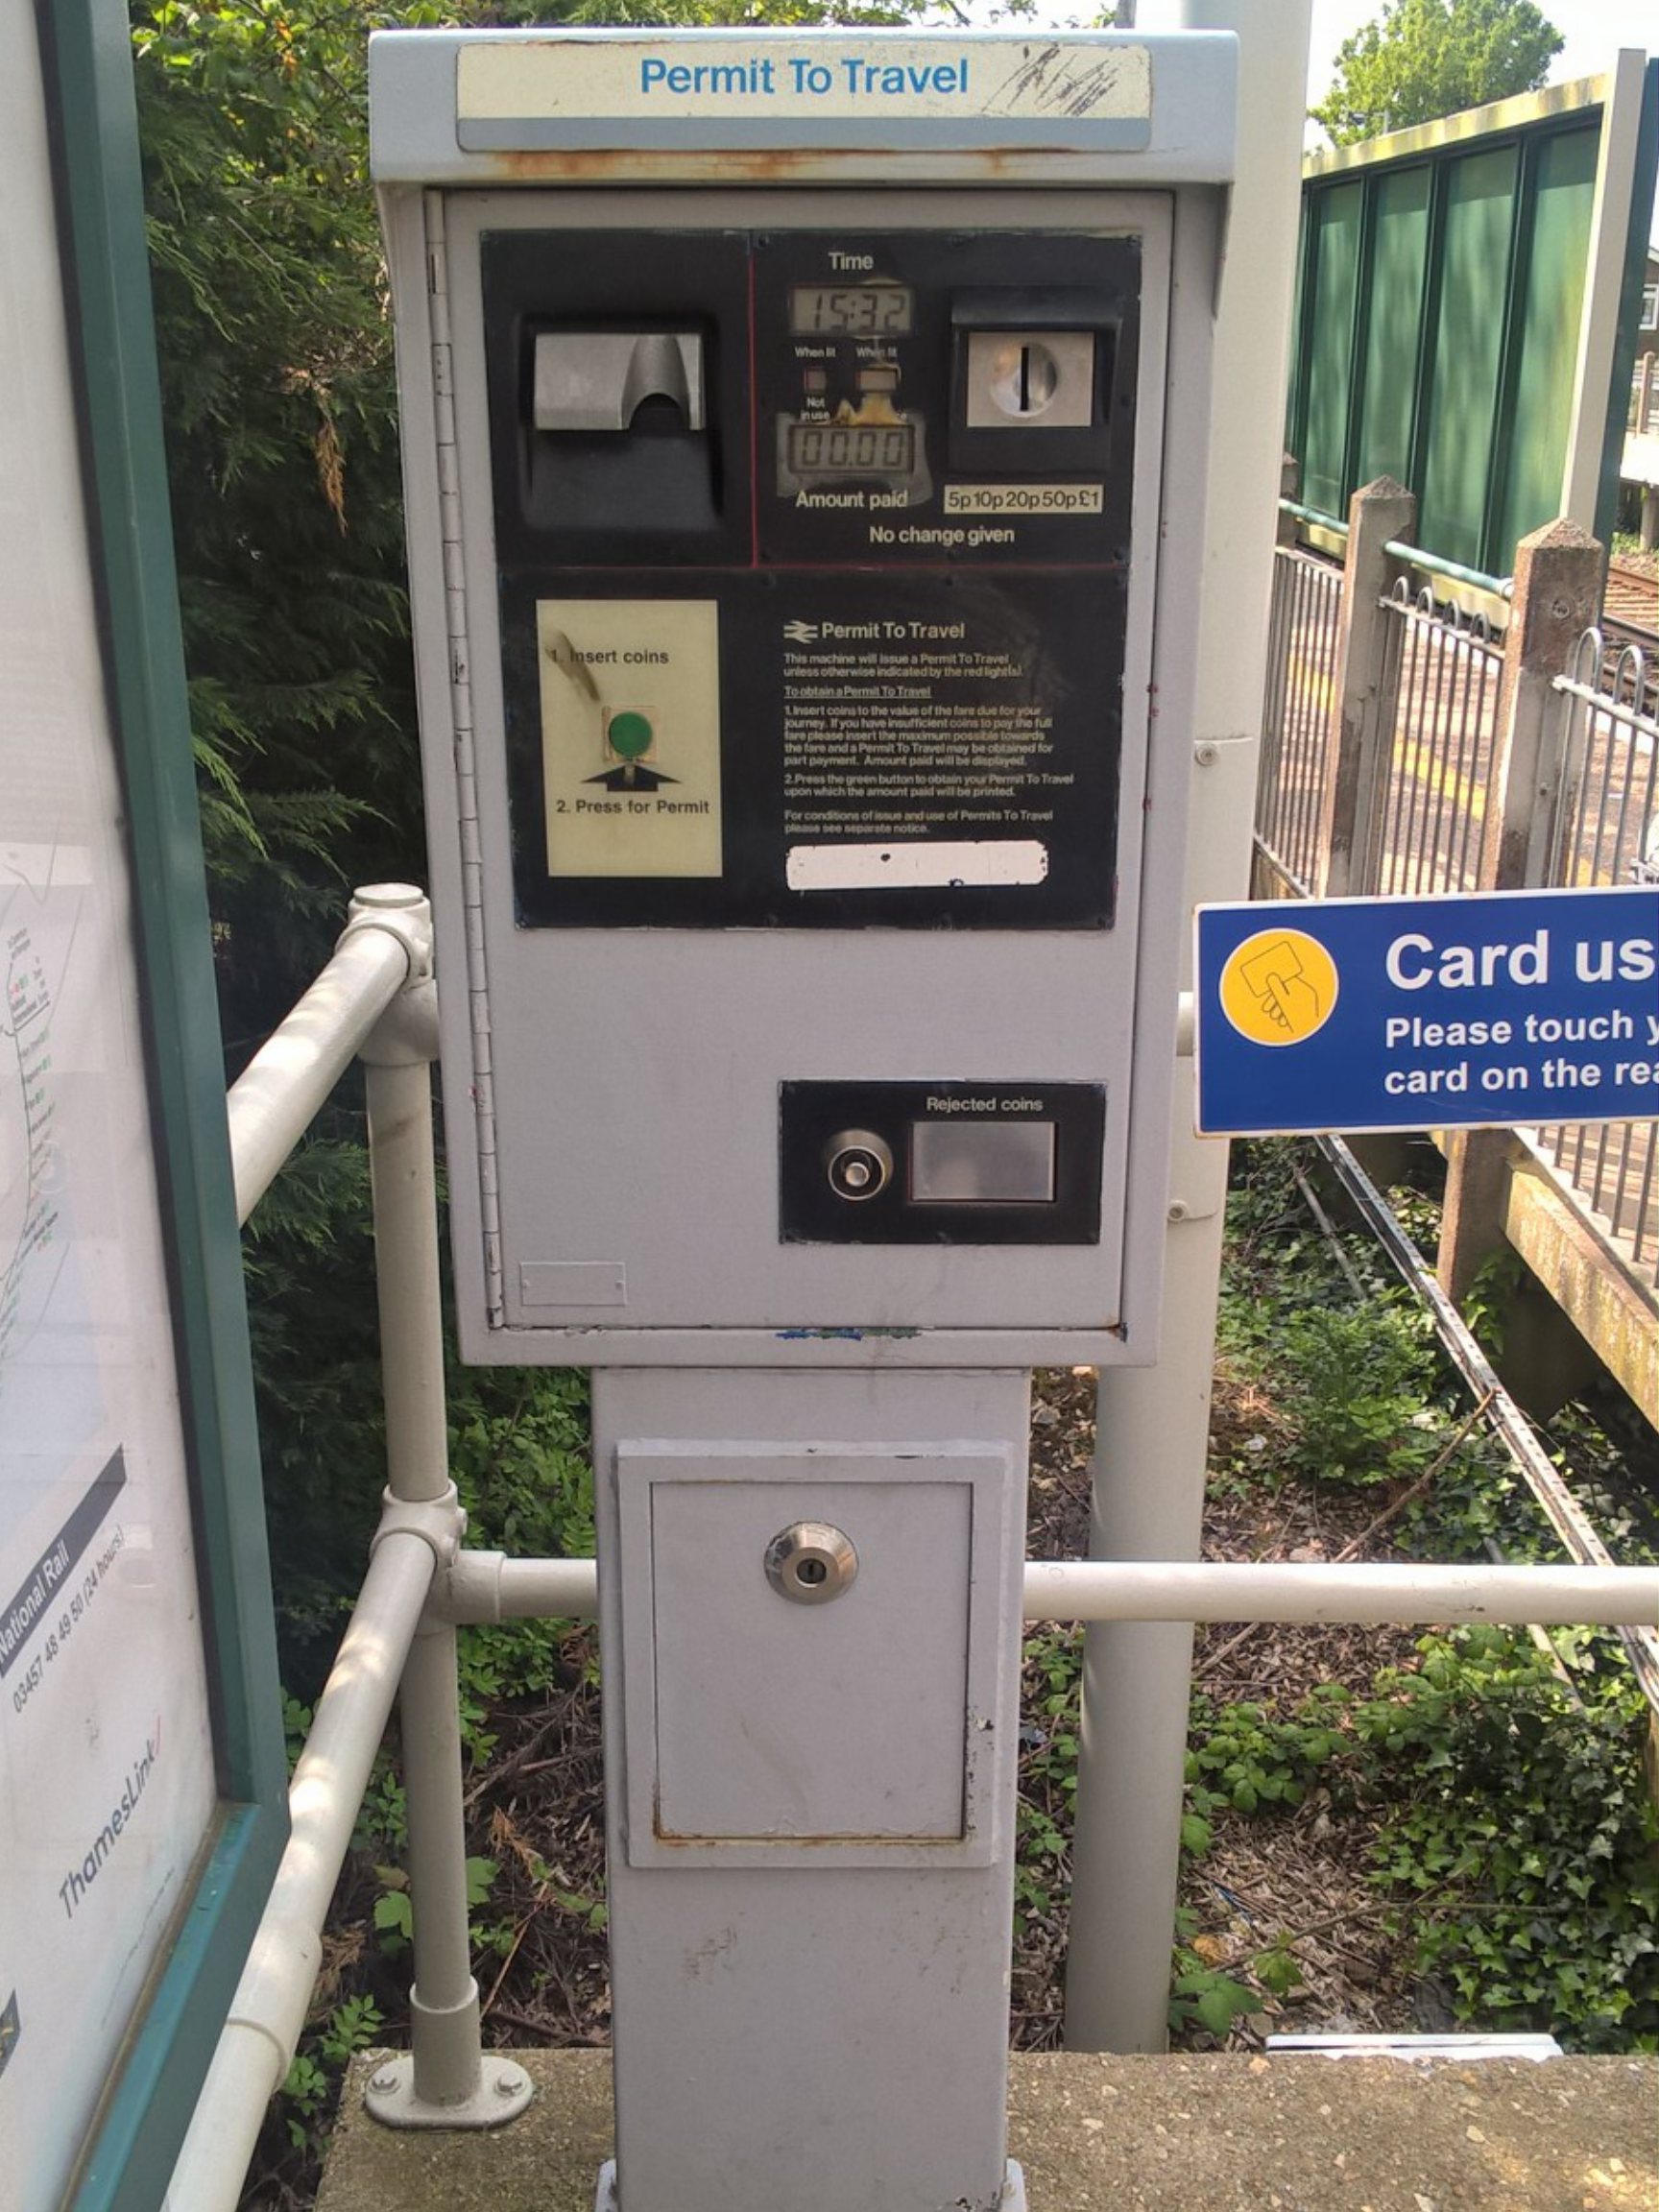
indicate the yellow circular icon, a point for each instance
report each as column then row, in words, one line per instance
column 1279, row 987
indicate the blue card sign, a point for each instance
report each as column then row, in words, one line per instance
column 1458, row 1012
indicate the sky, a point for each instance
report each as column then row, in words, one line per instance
column 1595, row 30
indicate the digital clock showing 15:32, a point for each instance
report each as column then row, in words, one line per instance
column 849, row 311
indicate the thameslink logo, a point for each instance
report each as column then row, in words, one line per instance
column 79, row 1880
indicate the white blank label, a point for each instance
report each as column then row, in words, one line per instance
column 918, row 866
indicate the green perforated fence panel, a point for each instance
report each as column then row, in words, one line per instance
column 1393, row 325
column 1437, row 331
column 1548, row 303
column 1330, row 342
column 1462, row 396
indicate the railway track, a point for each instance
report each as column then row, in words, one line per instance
column 1631, row 605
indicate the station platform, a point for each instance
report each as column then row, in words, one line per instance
column 1187, row 2133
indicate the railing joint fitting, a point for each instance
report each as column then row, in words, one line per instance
column 398, row 910
column 406, row 1034
column 439, row 1523
column 271, row 1998
column 467, row 1590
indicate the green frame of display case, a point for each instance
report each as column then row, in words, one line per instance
column 1530, row 127
column 127, row 2160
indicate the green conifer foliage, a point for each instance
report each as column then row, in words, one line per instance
column 275, row 336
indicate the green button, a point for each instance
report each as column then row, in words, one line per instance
column 630, row 735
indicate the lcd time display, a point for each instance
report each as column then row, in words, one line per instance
column 850, row 310
column 850, row 448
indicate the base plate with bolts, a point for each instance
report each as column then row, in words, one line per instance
column 504, row 2089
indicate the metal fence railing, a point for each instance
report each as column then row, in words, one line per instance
column 1606, row 831
column 1445, row 672
column 1304, row 627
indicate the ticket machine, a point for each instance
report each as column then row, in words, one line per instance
column 804, row 446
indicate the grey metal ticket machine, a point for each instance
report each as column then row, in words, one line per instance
column 803, row 442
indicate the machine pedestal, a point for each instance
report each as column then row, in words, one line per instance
column 810, row 1594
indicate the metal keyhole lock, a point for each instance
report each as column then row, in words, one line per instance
column 858, row 1163
column 811, row 1562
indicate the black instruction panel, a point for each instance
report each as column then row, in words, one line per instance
column 814, row 561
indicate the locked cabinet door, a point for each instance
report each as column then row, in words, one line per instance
column 810, row 1642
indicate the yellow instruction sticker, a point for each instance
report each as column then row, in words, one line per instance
column 631, row 736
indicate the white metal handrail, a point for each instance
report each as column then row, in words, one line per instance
column 267, row 2013
column 284, row 1087
column 375, row 999
column 484, row 1586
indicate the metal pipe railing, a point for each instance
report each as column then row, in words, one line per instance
column 1431, row 564
column 445, row 2080
column 1453, row 571
column 1373, row 1595
column 257, row 2044
column 285, row 1085
column 377, row 998
column 484, row 1586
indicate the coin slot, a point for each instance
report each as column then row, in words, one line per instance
column 1024, row 380
column 1030, row 379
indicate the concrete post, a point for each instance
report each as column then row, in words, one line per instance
column 1557, row 595
column 1358, row 754
column 1290, row 484
column 1650, row 537
column 1154, row 1421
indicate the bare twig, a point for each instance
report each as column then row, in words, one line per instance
column 1352, row 1549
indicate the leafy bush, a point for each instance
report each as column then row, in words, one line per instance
column 1053, row 1678
column 1519, row 1838
column 522, row 1467
column 1356, row 1384
column 1244, row 1757
column 1516, row 1836
column 308, row 2092
column 1525, row 1853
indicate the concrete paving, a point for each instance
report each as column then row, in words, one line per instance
column 1293, row 2134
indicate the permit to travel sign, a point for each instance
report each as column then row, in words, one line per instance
column 1461, row 1012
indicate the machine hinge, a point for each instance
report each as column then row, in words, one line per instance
column 465, row 777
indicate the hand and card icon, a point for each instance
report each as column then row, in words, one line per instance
column 1279, row 987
